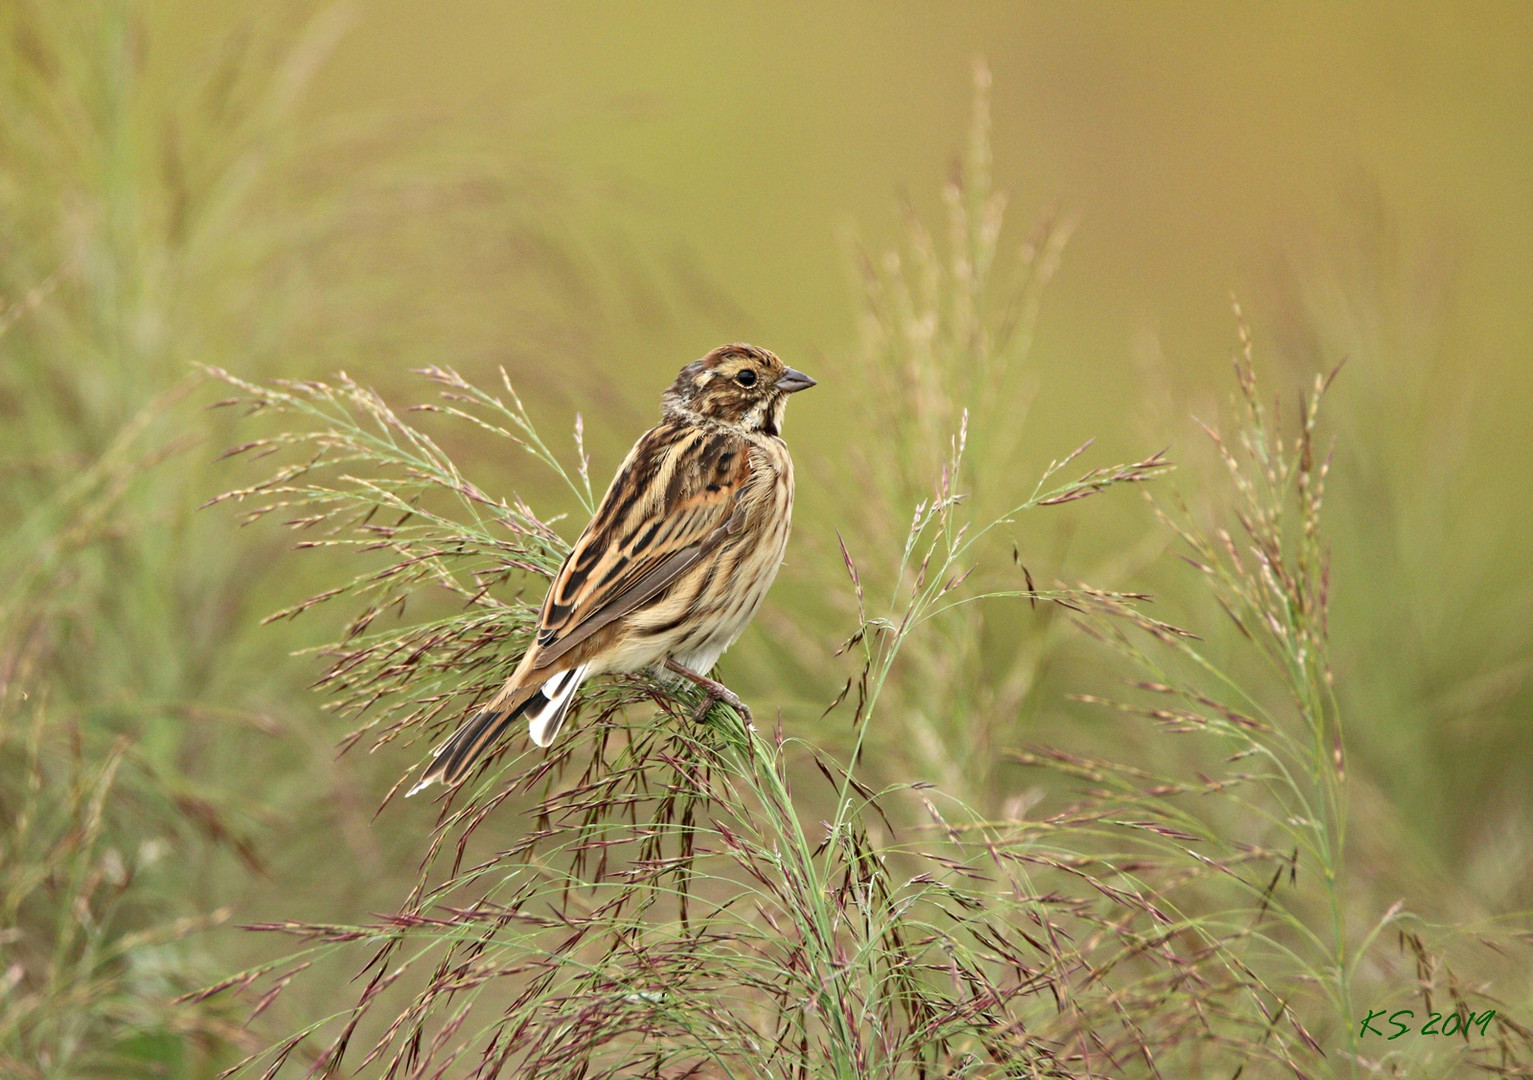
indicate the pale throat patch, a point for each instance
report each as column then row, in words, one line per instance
column 768, row 415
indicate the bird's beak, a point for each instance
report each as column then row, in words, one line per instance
column 793, row 381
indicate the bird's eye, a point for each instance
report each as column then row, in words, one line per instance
column 746, row 378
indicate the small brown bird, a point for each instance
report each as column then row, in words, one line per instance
column 681, row 551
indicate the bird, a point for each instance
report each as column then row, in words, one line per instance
column 676, row 560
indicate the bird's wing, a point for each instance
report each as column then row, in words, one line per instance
column 674, row 499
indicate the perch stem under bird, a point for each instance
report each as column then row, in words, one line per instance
column 675, row 562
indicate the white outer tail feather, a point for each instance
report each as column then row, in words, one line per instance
column 544, row 721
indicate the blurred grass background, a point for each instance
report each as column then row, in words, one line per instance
column 590, row 196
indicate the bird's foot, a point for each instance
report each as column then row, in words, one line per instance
column 713, row 691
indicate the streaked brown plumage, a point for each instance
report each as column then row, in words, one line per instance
column 683, row 547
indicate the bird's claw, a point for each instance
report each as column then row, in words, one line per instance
column 711, row 698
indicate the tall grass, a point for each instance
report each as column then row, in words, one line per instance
column 657, row 897
column 105, row 275
column 151, row 218
column 93, row 830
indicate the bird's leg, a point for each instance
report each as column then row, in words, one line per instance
column 713, row 691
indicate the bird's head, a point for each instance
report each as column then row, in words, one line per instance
column 739, row 385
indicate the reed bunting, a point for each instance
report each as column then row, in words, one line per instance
column 680, row 553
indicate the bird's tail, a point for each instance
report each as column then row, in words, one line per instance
column 544, row 706
column 546, row 710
